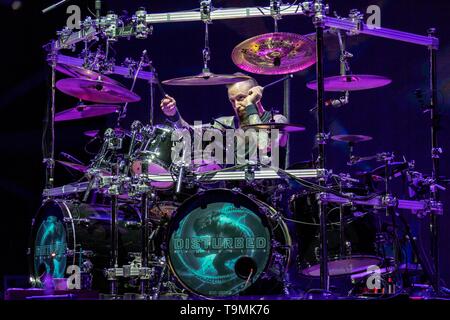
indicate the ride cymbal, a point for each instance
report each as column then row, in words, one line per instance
column 275, row 53
column 206, row 79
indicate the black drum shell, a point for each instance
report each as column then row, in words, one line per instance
column 88, row 229
column 359, row 232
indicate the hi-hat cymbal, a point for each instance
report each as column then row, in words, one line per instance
column 75, row 166
column 283, row 127
column 206, row 79
column 78, row 72
column 351, row 83
column 275, row 53
column 96, row 91
column 351, row 138
column 85, row 111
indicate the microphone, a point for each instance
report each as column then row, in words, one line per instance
column 335, row 103
column 71, row 158
column 180, row 179
column 136, row 127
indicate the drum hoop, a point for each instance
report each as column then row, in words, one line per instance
column 175, row 221
column 70, row 232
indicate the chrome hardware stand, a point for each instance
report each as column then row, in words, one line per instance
column 49, row 133
column 435, row 155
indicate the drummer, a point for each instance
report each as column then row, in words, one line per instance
column 245, row 98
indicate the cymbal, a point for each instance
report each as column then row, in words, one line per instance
column 78, row 72
column 206, row 79
column 351, row 83
column 275, row 53
column 351, row 138
column 97, row 91
column 283, row 127
column 395, row 168
column 85, row 111
column 74, row 166
column 96, row 133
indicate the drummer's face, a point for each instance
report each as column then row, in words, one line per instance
column 238, row 92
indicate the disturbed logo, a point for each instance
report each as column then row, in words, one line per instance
column 219, row 243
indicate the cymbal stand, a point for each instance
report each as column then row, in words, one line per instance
column 436, row 151
column 114, row 190
column 142, row 62
column 318, row 20
column 145, row 272
column 48, row 138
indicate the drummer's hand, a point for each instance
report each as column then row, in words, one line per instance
column 254, row 95
column 169, row 106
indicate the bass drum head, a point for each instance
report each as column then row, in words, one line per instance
column 49, row 241
column 219, row 243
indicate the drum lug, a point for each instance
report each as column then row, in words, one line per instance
column 113, row 273
column 78, row 221
column 348, row 248
column 84, row 253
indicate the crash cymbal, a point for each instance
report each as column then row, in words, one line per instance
column 351, row 138
column 96, row 91
column 97, row 133
column 85, row 111
column 283, row 127
column 74, row 166
column 275, row 53
column 206, row 79
column 78, row 72
column 351, row 83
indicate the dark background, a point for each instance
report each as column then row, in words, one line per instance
column 390, row 114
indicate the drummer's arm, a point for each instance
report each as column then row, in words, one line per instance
column 178, row 121
column 170, row 110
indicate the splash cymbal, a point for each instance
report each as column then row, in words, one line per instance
column 85, row 111
column 97, row 91
column 351, row 83
column 283, row 127
column 275, row 53
column 73, row 166
column 206, row 79
column 351, row 138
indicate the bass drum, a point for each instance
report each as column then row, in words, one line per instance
column 353, row 251
column 223, row 243
column 66, row 233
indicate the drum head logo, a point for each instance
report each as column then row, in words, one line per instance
column 50, row 248
column 219, row 250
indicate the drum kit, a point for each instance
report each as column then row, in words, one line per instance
column 142, row 223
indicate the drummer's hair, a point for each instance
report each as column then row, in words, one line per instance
column 252, row 80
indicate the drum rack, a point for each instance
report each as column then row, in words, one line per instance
column 140, row 27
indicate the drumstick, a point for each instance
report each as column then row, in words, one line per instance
column 289, row 76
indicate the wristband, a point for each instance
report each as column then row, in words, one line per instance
column 174, row 118
column 250, row 110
